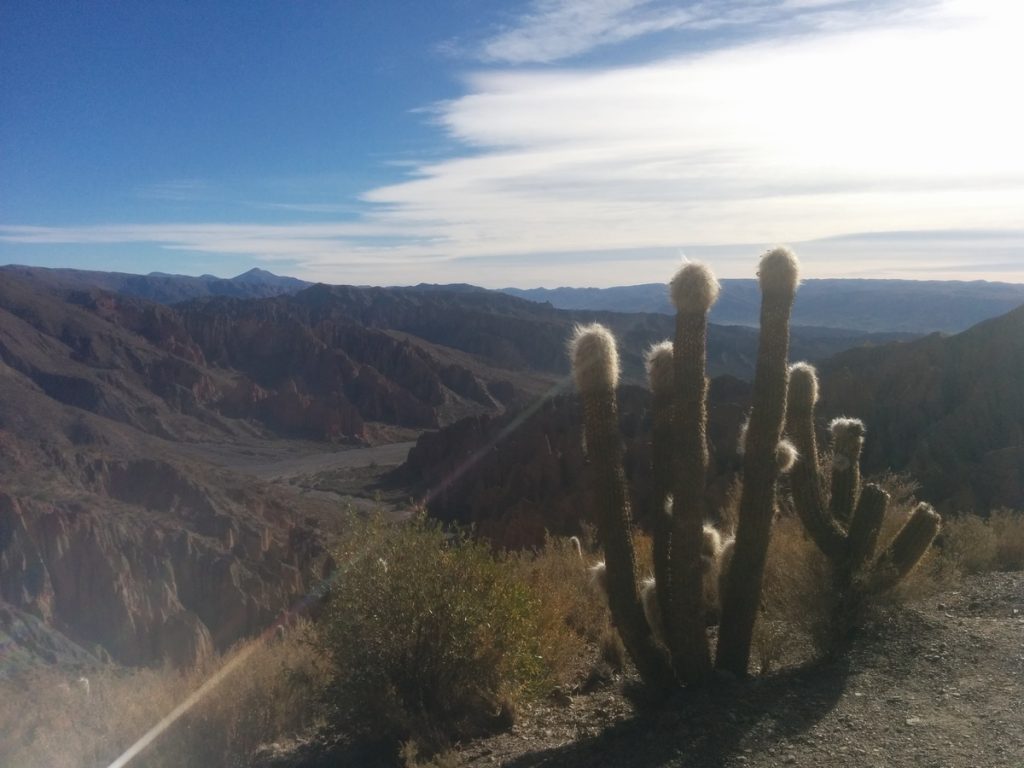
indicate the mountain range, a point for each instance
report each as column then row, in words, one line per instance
column 115, row 392
column 908, row 306
column 948, row 410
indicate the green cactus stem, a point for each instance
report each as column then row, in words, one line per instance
column 778, row 276
column 659, row 376
column 596, row 372
column 694, row 290
column 906, row 549
column 847, row 443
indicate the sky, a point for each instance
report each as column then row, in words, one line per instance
column 533, row 143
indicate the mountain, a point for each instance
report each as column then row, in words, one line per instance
column 513, row 333
column 161, row 287
column 908, row 306
column 118, row 538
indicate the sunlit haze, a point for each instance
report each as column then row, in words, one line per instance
column 562, row 143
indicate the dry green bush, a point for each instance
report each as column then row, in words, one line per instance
column 432, row 638
column 264, row 694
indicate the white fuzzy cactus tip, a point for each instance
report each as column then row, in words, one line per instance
column 595, row 358
column 803, row 383
column 658, row 362
column 694, row 288
column 779, row 272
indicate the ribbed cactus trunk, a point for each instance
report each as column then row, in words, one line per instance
column 778, row 277
column 660, row 377
column 694, row 290
column 595, row 368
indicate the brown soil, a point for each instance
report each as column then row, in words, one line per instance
column 938, row 684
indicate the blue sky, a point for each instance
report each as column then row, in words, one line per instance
column 547, row 142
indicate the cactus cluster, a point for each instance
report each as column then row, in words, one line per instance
column 676, row 649
column 842, row 514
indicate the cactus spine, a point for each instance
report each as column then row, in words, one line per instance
column 846, row 526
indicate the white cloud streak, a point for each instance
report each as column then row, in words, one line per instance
column 909, row 125
column 555, row 30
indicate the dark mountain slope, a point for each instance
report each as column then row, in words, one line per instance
column 948, row 409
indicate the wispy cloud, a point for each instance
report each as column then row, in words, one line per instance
column 554, row 30
column 176, row 190
column 911, row 124
column 557, row 29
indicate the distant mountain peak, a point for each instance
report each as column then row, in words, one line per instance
column 258, row 274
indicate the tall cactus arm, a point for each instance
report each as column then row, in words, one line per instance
column 659, row 376
column 694, row 290
column 865, row 526
column 805, row 478
column 778, row 275
column 595, row 368
column 906, row 549
column 847, row 444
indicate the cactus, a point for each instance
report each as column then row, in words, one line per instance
column 678, row 380
column 595, row 364
column 778, row 276
column 846, row 525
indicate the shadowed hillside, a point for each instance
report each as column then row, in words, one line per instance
column 948, row 410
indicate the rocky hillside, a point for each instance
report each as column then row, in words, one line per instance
column 115, row 540
column 950, row 410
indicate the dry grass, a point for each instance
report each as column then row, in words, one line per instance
column 571, row 614
column 1008, row 526
column 970, row 543
column 974, row 545
column 795, row 598
column 268, row 696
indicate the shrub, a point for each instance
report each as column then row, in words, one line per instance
column 431, row 638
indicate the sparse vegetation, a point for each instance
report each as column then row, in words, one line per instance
column 431, row 637
column 974, row 544
column 269, row 695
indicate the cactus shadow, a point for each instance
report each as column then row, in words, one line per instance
column 706, row 729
